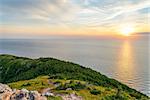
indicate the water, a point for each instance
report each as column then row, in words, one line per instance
column 123, row 59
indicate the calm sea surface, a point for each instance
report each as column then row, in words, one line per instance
column 123, row 59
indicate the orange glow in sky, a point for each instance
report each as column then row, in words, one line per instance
column 73, row 17
column 127, row 30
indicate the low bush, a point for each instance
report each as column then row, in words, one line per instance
column 26, row 84
column 95, row 92
column 72, row 85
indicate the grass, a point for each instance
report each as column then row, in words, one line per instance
column 34, row 84
column 35, row 74
column 54, row 98
column 42, row 82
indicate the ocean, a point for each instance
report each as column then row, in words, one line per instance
column 124, row 59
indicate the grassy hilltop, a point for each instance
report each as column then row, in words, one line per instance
column 35, row 74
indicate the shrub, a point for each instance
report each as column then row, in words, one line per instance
column 57, row 82
column 95, row 92
column 26, row 84
column 72, row 85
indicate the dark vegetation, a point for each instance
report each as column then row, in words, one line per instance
column 14, row 68
column 114, row 97
column 95, row 92
column 72, row 85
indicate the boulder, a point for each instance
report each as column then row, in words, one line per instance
column 6, row 93
column 4, row 88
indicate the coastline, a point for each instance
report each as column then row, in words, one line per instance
column 58, row 69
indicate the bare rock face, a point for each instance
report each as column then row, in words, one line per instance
column 4, row 88
column 6, row 93
column 70, row 96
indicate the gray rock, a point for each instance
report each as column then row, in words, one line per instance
column 24, row 90
column 48, row 94
column 71, row 97
column 69, row 89
column 6, row 93
column 4, row 88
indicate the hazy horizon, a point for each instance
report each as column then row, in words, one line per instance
column 72, row 36
column 125, row 59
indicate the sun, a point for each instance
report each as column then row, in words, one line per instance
column 127, row 30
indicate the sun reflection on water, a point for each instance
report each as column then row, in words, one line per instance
column 126, row 64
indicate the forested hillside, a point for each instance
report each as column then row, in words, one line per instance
column 14, row 69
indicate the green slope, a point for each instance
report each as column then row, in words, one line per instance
column 14, row 69
column 81, row 88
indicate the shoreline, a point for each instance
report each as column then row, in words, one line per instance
column 65, row 73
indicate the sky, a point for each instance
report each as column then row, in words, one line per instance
column 31, row 18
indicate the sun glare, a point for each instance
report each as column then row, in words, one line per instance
column 127, row 30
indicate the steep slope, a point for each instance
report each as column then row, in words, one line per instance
column 14, row 69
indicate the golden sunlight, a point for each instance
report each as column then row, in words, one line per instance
column 127, row 30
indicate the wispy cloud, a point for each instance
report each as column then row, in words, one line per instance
column 73, row 13
column 129, row 8
column 49, row 10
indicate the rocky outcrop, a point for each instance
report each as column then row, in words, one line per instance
column 6, row 93
column 4, row 88
column 70, row 97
